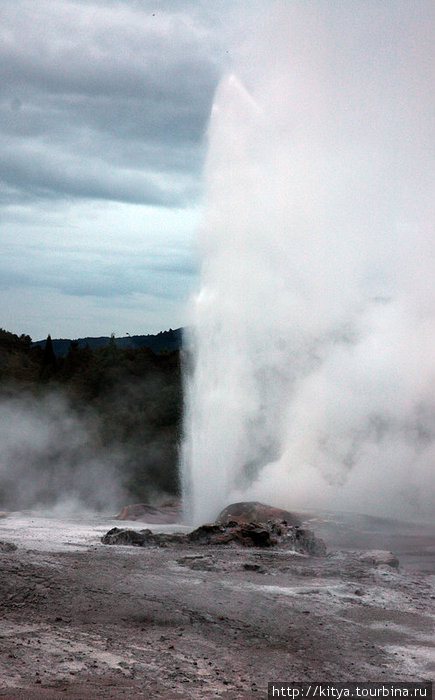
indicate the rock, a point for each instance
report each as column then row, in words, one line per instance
column 141, row 538
column 306, row 541
column 270, row 534
column 198, row 562
column 4, row 514
column 380, row 557
column 7, row 546
column 253, row 535
column 254, row 567
column 210, row 533
column 255, row 512
column 129, row 537
column 246, row 534
column 167, row 512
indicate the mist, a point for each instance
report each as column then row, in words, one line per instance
column 51, row 458
column 313, row 373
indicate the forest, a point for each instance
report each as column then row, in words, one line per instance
column 128, row 402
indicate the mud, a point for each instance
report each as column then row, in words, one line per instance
column 83, row 620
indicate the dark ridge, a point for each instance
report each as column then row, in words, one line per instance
column 161, row 342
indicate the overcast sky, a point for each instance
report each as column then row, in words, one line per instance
column 103, row 111
column 104, row 106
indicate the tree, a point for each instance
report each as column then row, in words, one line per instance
column 48, row 359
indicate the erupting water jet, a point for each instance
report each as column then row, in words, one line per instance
column 313, row 373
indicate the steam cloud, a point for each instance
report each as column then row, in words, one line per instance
column 50, row 457
column 314, row 375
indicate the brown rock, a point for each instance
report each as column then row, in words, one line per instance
column 167, row 512
column 255, row 512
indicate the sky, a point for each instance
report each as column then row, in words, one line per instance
column 103, row 115
column 104, row 109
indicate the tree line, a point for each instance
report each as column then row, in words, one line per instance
column 132, row 395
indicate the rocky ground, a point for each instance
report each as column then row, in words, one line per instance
column 81, row 619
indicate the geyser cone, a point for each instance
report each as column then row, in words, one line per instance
column 313, row 377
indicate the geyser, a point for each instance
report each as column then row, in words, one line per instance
column 313, row 367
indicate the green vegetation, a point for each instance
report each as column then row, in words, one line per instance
column 130, row 398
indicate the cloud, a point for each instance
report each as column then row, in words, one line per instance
column 165, row 273
column 92, row 267
column 58, row 174
column 103, row 100
column 103, row 112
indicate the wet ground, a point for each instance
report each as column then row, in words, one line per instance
column 84, row 620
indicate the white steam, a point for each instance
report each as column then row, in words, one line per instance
column 51, row 457
column 314, row 371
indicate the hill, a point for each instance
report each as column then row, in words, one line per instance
column 161, row 342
